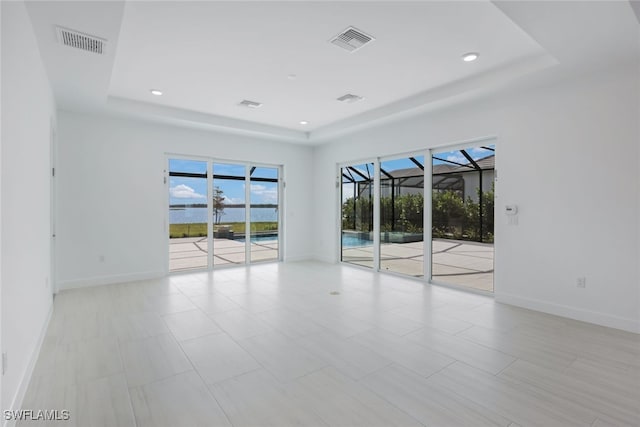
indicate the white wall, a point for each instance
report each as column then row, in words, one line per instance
column 567, row 155
column 27, row 114
column 111, row 198
column 1, row 346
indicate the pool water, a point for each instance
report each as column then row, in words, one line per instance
column 354, row 241
column 260, row 239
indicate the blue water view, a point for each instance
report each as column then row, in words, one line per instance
column 199, row 215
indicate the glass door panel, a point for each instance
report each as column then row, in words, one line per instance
column 229, row 214
column 188, row 207
column 357, row 214
column 264, row 213
column 462, row 217
column 402, row 216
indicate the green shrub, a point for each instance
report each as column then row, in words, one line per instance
column 452, row 217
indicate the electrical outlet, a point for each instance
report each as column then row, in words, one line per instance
column 581, row 282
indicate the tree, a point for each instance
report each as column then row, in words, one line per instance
column 218, row 204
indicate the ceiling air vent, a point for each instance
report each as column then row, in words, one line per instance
column 349, row 98
column 250, row 104
column 351, row 39
column 82, row 41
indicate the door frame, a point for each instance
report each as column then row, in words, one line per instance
column 492, row 140
column 53, row 282
column 210, row 252
column 280, row 186
column 376, row 213
column 427, row 182
column 428, row 198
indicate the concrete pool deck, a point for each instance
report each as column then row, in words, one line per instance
column 191, row 252
column 468, row 264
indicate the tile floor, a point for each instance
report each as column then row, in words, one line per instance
column 269, row 345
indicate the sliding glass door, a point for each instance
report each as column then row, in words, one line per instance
column 264, row 196
column 384, row 211
column 229, row 213
column 217, row 219
column 188, row 214
column 462, row 214
column 357, row 214
column 402, row 215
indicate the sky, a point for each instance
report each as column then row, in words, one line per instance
column 455, row 156
column 184, row 190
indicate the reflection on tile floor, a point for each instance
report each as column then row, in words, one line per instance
column 313, row 344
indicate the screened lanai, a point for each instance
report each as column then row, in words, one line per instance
column 462, row 216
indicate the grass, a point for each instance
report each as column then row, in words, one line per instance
column 200, row 229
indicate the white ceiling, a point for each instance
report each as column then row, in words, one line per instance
column 208, row 56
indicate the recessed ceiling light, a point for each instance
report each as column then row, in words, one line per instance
column 291, row 76
column 156, row 92
column 304, row 122
column 471, row 56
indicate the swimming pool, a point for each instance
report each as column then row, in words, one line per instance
column 261, row 239
column 354, row 240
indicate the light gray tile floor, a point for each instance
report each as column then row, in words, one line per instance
column 270, row 345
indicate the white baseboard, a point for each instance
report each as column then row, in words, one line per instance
column 107, row 280
column 602, row 319
column 324, row 258
column 28, row 372
column 296, row 258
